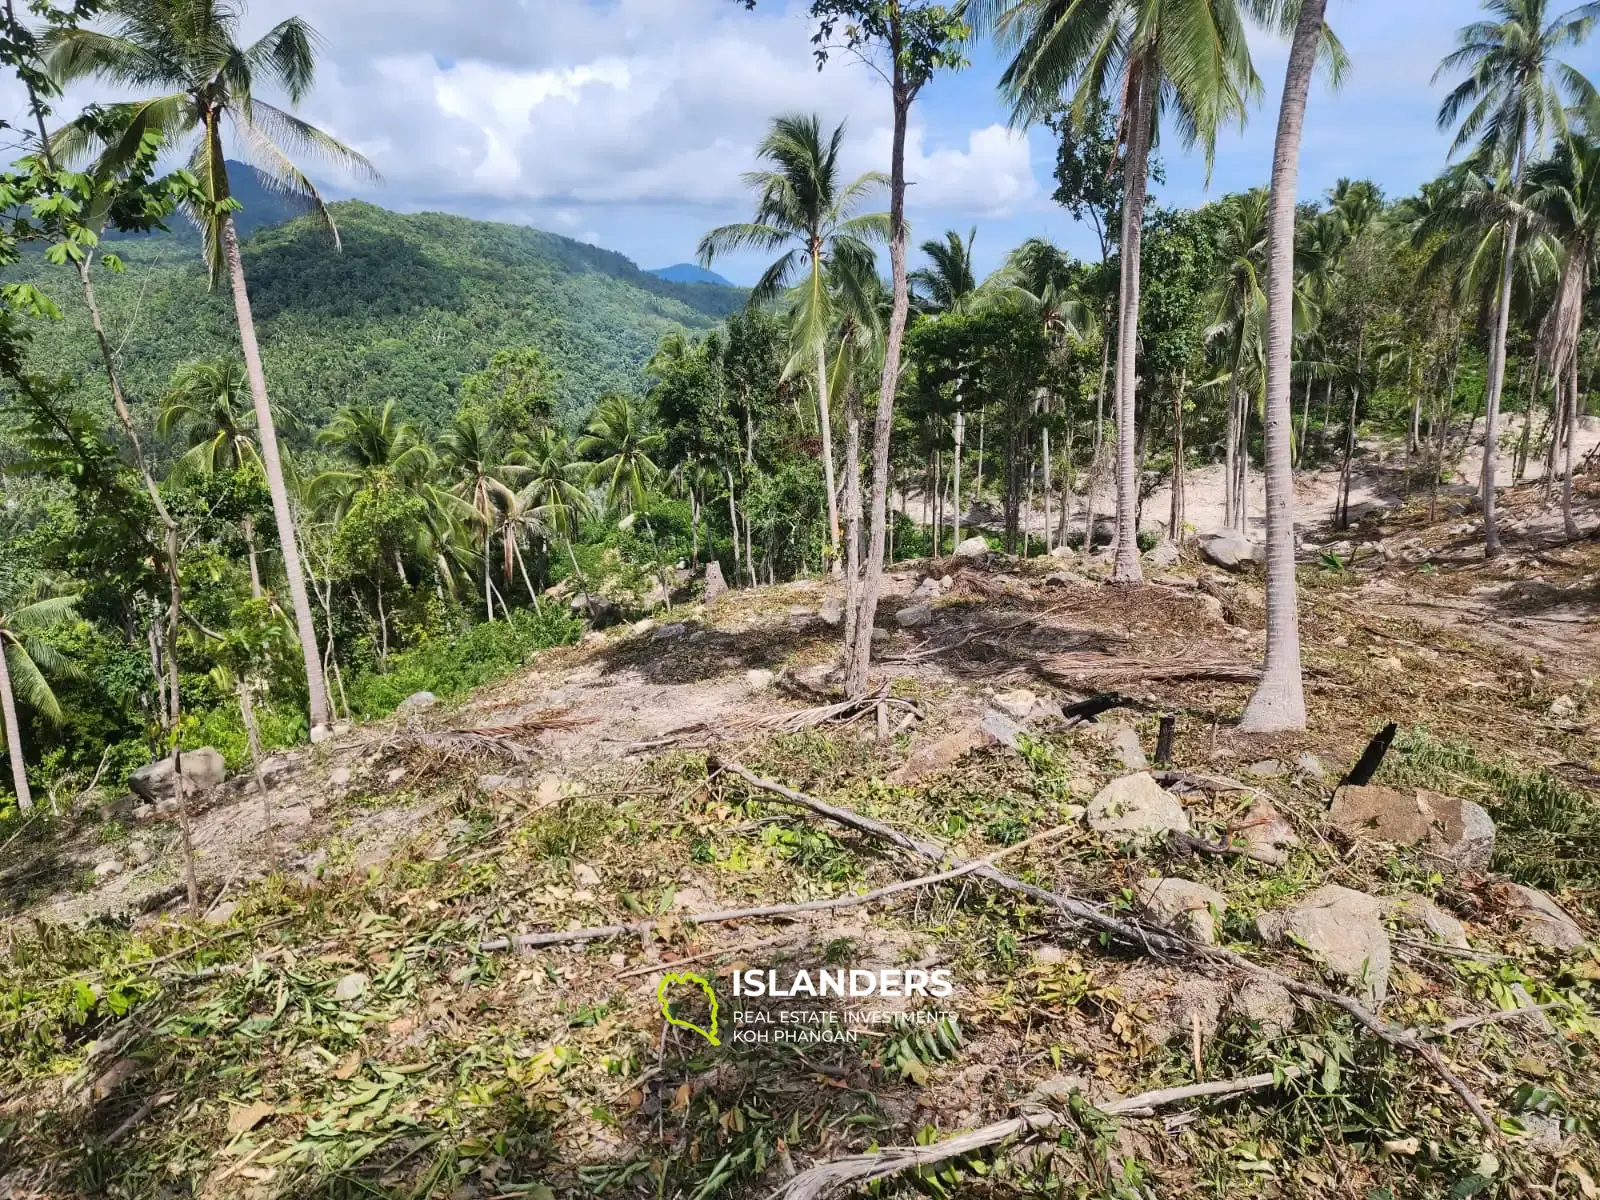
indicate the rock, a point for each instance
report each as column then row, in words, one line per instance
column 1343, row 930
column 644, row 628
column 291, row 816
column 203, row 769
column 1190, row 908
column 1049, row 956
column 973, row 547
column 1231, row 549
column 1540, row 918
column 144, row 812
column 1265, row 1004
column 1267, row 768
column 1003, row 729
column 1124, row 741
column 1563, row 708
column 351, row 987
column 880, row 636
column 1458, row 832
column 758, row 679
column 139, row 851
column 1137, row 806
column 1062, row 579
column 585, row 876
column 1173, row 1002
column 320, row 734
column 832, row 612
column 108, row 869
column 1018, row 704
column 395, row 776
column 667, row 632
column 341, row 728
column 1063, row 551
column 914, row 616
column 222, row 913
column 946, row 582
column 1164, row 554
column 716, row 586
column 1390, row 665
column 1309, row 765
column 1418, row 912
column 1211, row 606
column 339, row 777
column 168, row 808
column 935, row 756
column 928, row 589
column 417, row 702
column 1266, row 834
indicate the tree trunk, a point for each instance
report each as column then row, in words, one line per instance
column 977, row 486
column 8, row 702
column 1519, row 461
column 883, row 421
column 1279, row 702
column 1230, row 501
column 1342, row 509
column 247, row 713
column 852, row 520
column 1175, row 515
column 1496, row 380
column 733, row 521
column 288, row 544
column 1127, row 569
column 250, row 553
column 1045, row 433
column 825, row 422
column 1568, row 524
column 961, row 432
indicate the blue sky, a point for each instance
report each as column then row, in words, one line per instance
column 628, row 122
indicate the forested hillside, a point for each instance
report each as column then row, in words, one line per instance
column 412, row 305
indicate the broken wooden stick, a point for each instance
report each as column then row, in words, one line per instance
column 858, row 1169
column 530, row 941
column 1142, row 934
column 1108, row 669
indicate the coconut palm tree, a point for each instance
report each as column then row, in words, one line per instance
column 1187, row 59
column 1516, row 92
column 1279, row 700
column 370, row 440
column 1239, row 304
column 29, row 606
column 469, row 455
column 190, row 49
column 807, row 211
column 206, row 405
column 552, row 484
column 617, row 447
column 947, row 279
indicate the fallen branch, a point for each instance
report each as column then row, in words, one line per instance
column 842, row 712
column 987, row 631
column 1144, row 935
column 494, row 741
column 529, row 941
column 1108, row 669
column 858, row 1169
column 1510, row 1014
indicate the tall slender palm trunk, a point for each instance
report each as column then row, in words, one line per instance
column 1568, row 523
column 1127, row 569
column 1279, row 702
column 825, row 422
column 19, row 768
column 1496, row 380
column 316, row 688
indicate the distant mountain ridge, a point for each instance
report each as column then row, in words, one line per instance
column 691, row 273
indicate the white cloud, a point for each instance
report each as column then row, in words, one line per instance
column 992, row 176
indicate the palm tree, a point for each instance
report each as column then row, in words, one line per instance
column 190, row 49
column 617, row 448
column 1515, row 92
column 28, row 608
column 205, row 403
column 1279, row 700
column 1238, row 325
column 370, row 440
column 470, row 456
column 805, row 207
column 552, row 485
column 948, row 277
column 1187, row 57
column 1564, row 196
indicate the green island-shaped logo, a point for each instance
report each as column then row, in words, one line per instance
column 667, row 981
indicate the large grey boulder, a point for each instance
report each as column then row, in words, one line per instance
column 972, row 547
column 1134, row 807
column 1163, row 554
column 1231, row 549
column 417, row 702
column 1190, row 908
column 914, row 616
column 1541, row 919
column 1457, row 833
column 203, row 770
column 716, row 585
column 1343, row 930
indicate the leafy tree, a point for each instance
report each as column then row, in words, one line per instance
column 191, row 48
column 514, row 394
column 948, row 278
column 29, row 607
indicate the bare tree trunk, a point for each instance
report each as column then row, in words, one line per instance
column 1568, row 524
column 824, row 420
column 977, row 486
column 961, row 432
column 1496, row 380
column 1175, row 514
column 1230, row 503
column 852, row 521
column 1279, row 701
column 883, row 421
column 1519, row 461
column 316, row 688
column 1045, row 434
column 19, row 767
column 247, row 713
column 733, row 522
column 250, row 553
column 1127, row 569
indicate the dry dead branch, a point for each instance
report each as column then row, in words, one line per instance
column 1143, row 935
column 1107, row 670
column 486, row 741
column 838, row 713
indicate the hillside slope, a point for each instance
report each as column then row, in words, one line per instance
column 412, row 305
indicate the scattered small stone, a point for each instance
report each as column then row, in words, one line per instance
column 341, row 728
column 1267, row 1005
column 1071, row 814
column 1003, row 729
column 339, row 777
column 1124, row 741
column 291, row 816
column 1342, row 929
column 585, row 876
column 1211, row 606
column 1018, row 704
column 1267, row 768
column 1190, row 908
column 644, row 628
column 973, row 547
column 1164, row 554
column 946, row 582
column 880, row 636
column 320, row 734
column 168, row 808
column 1137, row 806
column 914, row 616
column 139, row 851
column 758, row 679
column 548, row 791
column 203, row 769
column 1418, row 912
column 929, row 758
column 395, row 776
column 667, row 632
column 418, row 701
column 1063, row 579
column 1063, row 551
column 222, row 913
column 1563, row 708
column 108, row 869
column 352, row 987
column 1266, row 834
column 1541, row 919
column 928, row 589
column 832, row 612
column 1049, row 956
column 1309, row 765
column 1458, row 832
column 1175, row 1002
column 144, row 812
